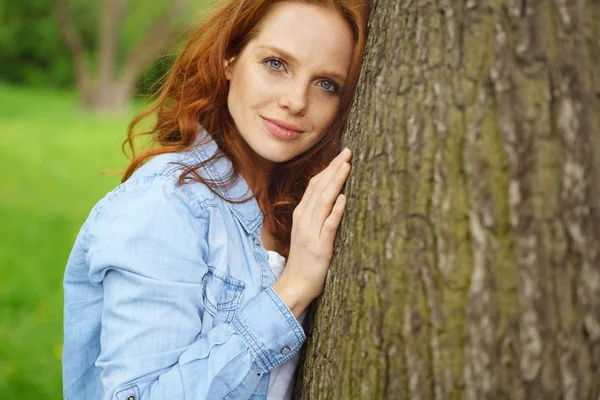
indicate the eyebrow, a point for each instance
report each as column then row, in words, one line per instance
column 341, row 77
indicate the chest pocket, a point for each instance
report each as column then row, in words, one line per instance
column 222, row 295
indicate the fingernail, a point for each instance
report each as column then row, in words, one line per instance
column 346, row 151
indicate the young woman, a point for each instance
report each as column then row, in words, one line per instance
column 190, row 279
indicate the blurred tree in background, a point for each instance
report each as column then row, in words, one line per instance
column 114, row 48
column 107, row 81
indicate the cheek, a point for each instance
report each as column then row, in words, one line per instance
column 325, row 114
column 251, row 89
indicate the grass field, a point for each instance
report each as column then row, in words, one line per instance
column 53, row 159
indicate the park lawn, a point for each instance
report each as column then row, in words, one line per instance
column 53, row 160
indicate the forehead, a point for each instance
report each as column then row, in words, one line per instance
column 307, row 31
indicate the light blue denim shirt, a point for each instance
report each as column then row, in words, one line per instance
column 168, row 293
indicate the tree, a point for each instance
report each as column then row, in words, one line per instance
column 107, row 88
column 468, row 262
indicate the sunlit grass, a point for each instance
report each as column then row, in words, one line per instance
column 53, row 159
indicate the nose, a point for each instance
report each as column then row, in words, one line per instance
column 295, row 97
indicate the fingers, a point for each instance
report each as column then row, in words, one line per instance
column 324, row 203
column 321, row 182
column 332, row 222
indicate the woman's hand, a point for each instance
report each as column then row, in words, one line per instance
column 314, row 224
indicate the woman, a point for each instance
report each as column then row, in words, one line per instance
column 176, row 286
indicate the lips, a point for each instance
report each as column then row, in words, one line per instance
column 281, row 129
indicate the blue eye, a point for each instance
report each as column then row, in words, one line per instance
column 328, row 86
column 275, row 64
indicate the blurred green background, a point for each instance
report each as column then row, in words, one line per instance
column 57, row 160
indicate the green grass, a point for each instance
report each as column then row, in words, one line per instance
column 53, row 159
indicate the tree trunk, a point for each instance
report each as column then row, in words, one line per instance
column 108, row 94
column 468, row 261
column 110, row 91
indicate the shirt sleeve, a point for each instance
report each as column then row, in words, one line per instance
column 147, row 249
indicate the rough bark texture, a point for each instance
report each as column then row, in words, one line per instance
column 468, row 262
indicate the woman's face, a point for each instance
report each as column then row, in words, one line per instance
column 285, row 85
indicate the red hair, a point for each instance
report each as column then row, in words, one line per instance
column 195, row 93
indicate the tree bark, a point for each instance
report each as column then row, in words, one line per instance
column 468, row 262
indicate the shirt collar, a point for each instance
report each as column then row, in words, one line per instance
column 248, row 214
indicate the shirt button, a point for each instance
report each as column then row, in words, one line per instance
column 131, row 397
column 285, row 351
column 256, row 241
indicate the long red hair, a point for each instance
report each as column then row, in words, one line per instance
column 195, row 93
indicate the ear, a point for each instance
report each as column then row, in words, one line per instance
column 227, row 64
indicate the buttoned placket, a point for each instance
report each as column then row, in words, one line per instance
column 257, row 248
column 262, row 258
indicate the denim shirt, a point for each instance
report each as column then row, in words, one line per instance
column 168, row 293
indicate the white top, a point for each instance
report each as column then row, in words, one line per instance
column 281, row 381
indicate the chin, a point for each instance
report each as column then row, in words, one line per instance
column 277, row 159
